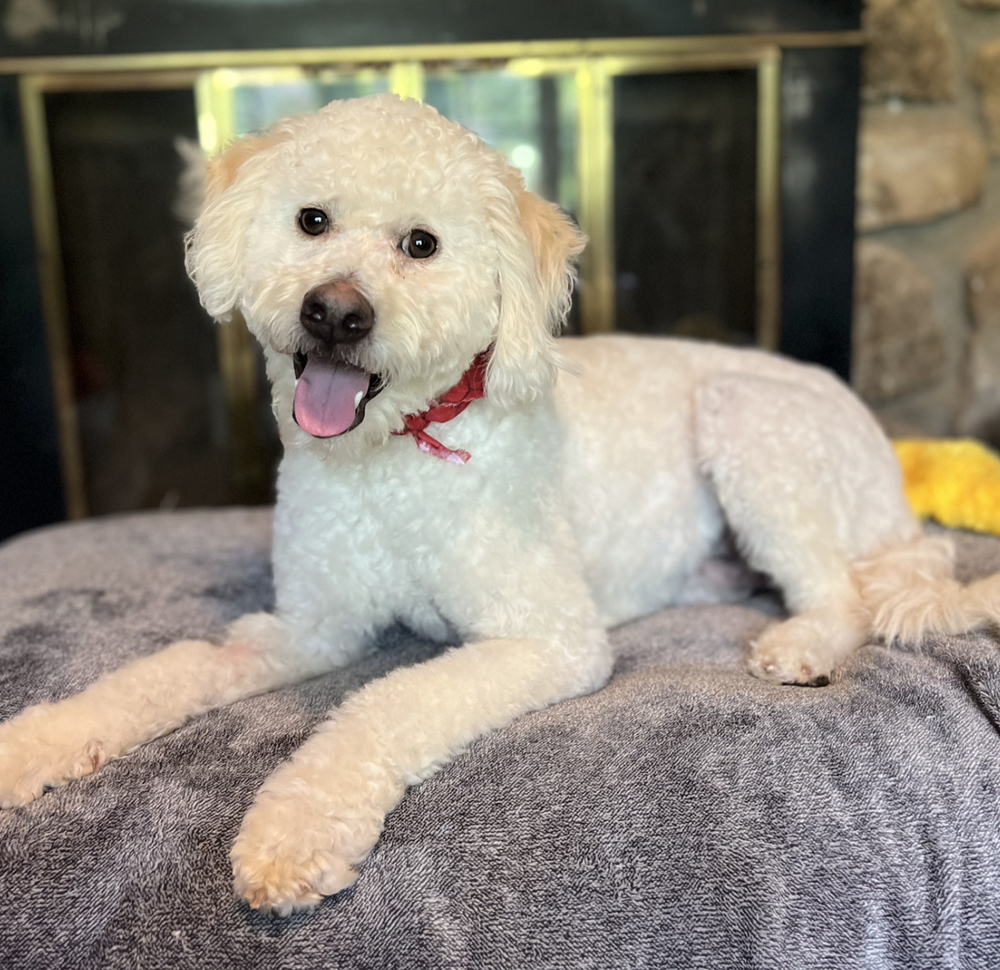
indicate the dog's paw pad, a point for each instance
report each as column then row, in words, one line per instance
column 95, row 753
column 809, row 678
column 784, row 664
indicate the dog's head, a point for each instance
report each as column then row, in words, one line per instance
column 374, row 249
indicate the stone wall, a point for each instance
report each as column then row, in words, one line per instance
column 927, row 295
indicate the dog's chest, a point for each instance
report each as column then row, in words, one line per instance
column 397, row 529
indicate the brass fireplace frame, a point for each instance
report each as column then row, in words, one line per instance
column 593, row 63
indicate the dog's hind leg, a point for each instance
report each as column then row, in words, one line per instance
column 49, row 744
column 808, row 484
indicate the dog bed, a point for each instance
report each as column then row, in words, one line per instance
column 686, row 815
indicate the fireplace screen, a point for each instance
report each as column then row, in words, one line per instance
column 666, row 157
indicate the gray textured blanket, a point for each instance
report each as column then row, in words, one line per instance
column 685, row 816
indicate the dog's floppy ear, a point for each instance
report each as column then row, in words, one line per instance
column 538, row 245
column 214, row 247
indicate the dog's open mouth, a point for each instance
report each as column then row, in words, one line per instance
column 330, row 395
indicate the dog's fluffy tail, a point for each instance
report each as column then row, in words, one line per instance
column 910, row 591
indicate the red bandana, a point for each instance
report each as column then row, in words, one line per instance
column 451, row 404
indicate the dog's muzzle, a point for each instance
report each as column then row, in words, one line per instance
column 330, row 394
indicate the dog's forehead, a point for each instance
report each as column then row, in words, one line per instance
column 380, row 156
column 387, row 122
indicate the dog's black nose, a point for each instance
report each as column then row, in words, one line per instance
column 336, row 313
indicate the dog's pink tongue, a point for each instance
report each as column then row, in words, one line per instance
column 327, row 395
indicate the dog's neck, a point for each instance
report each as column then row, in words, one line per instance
column 471, row 387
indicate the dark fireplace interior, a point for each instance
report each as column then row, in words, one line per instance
column 149, row 398
column 685, row 183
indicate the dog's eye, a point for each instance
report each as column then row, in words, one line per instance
column 313, row 222
column 419, row 244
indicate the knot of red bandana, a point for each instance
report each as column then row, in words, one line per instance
column 470, row 387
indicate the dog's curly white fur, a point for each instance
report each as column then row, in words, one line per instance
column 591, row 499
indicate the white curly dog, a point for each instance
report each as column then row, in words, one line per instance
column 450, row 465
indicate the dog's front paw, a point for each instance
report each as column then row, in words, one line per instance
column 294, row 849
column 44, row 747
column 791, row 653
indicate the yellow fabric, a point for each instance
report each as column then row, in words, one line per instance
column 955, row 482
